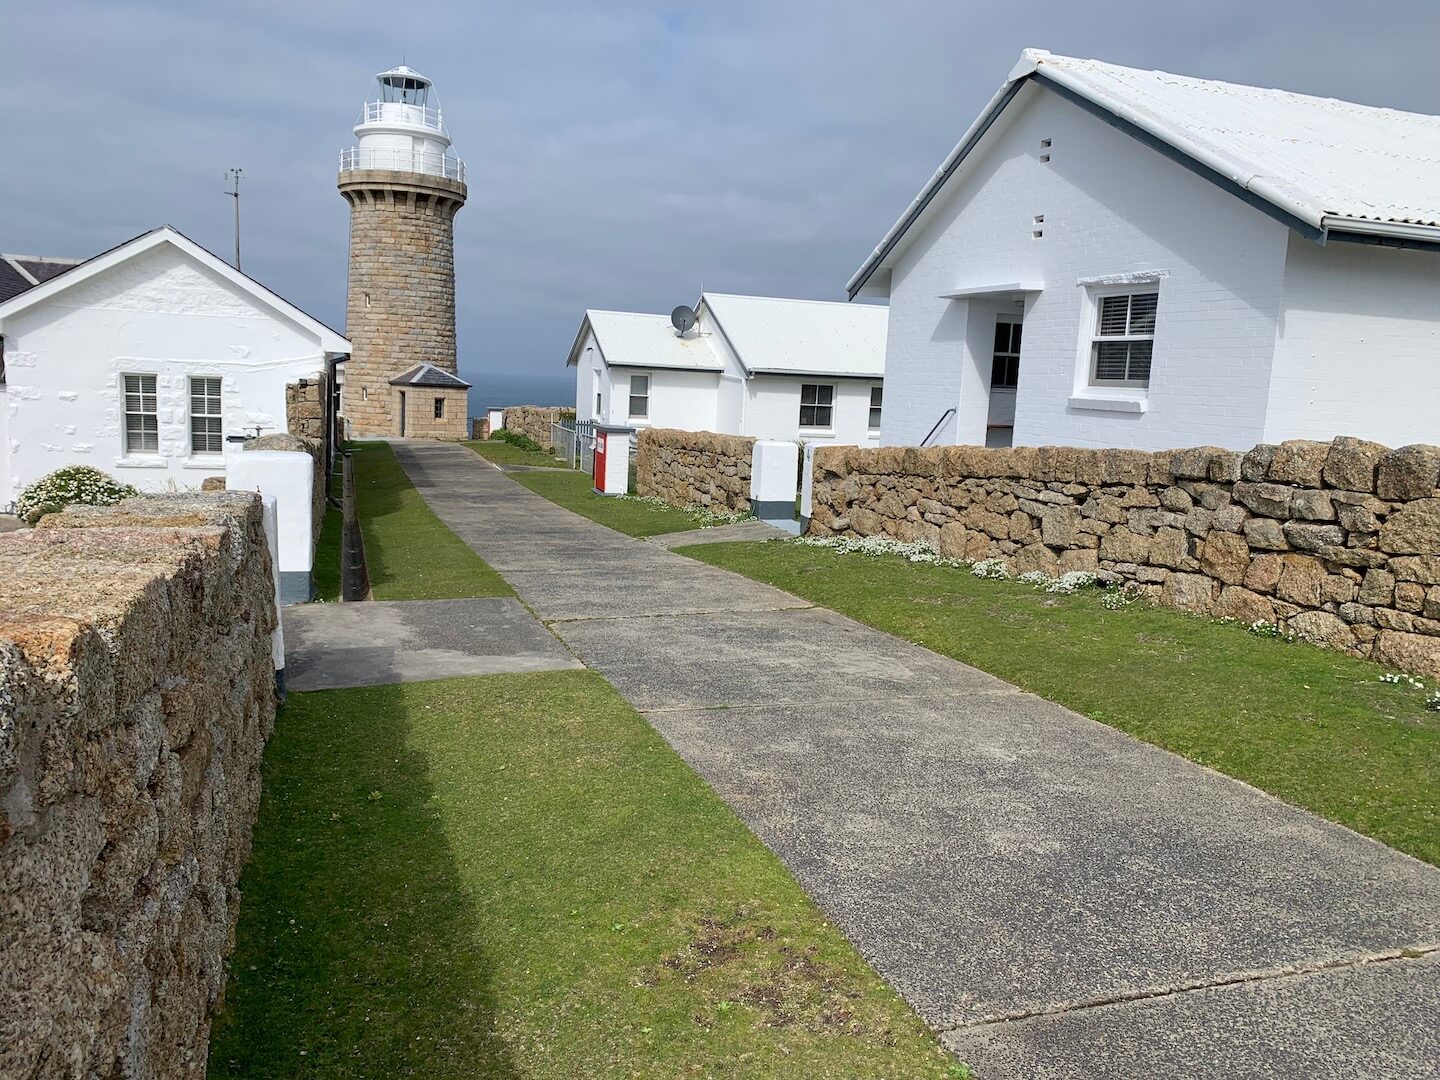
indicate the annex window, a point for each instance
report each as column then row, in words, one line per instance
column 877, row 394
column 639, row 397
column 142, row 415
column 1124, row 339
column 817, row 405
column 206, row 436
column 1005, row 360
column 597, row 402
column 439, row 408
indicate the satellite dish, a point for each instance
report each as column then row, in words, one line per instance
column 682, row 318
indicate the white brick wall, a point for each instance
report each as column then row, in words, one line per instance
column 1359, row 348
column 1111, row 206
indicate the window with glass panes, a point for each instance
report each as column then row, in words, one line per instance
column 639, row 396
column 206, row 436
column 817, row 405
column 877, row 397
column 142, row 415
column 1005, row 359
column 1124, row 338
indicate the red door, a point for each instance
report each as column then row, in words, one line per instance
column 599, row 471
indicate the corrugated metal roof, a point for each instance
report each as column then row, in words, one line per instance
column 1339, row 158
column 805, row 337
column 12, row 281
column 429, row 375
column 632, row 339
column 1325, row 163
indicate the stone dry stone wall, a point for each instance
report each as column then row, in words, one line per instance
column 136, row 696
column 695, row 468
column 305, row 407
column 533, row 421
column 1338, row 543
column 316, row 449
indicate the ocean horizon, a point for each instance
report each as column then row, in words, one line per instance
column 493, row 390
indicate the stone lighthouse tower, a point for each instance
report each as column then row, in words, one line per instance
column 404, row 185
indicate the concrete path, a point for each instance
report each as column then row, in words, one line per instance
column 328, row 646
column 1054, row 897
column 719, row 534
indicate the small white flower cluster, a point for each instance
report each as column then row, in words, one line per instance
column 1119, row 597
column 915, row 551
column 1262, row 628
column 705, row 518
column 994, row 569
column 63, row 487
column 1396, row 678
column 1399, row 678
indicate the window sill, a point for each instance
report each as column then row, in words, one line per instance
column 827, row 433
column 213, row 462
column 1109, row 403
column 155, row 462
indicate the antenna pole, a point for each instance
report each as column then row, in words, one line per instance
column 233, row 175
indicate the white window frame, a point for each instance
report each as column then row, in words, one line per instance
column 218, row 416
column 877, row 408
column 644, row 413
column 828, row 405
column 1098, row 296
column 997, row 354
column 440, row 408
column 127, row 412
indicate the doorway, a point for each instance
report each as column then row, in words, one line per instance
column 1004, row 381
column 402, row 414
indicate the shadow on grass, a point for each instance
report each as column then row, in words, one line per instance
column 357, row 952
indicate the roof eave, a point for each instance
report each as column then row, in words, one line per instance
column 952, row 161
column 1394, row 233
column 1258, row 191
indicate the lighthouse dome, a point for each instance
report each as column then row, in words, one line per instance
column 403, row 129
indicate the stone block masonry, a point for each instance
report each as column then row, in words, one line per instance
column 136, row 696
column 695, row 468
column 305, row 407
column 1337, row 543
column 453, row 423
column 401, row 298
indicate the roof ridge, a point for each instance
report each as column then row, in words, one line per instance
column 785, row 299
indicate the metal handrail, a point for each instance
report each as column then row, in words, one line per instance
column 938, row 425
column 418, row 115
column 389, row 157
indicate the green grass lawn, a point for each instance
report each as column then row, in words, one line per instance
column 325, row 577
column 410, row 553
column 576, row 491
column 504, row 453
column 513, row 876
column 1316, row 728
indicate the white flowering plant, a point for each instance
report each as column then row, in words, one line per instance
column 915, row 551
column 702, row 516
column 68, row 486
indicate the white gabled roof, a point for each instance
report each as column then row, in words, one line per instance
column 775, row 336
column 330, row 341
column 633, row 339
column 1325, row 165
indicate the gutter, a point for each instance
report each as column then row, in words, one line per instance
column 1387, row 233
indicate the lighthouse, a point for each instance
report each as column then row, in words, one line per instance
column 404, row 185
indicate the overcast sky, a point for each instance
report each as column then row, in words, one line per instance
column 619, row 154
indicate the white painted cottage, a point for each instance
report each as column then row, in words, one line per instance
column 142, row 360
column 800, row 370
column 1116, row 257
